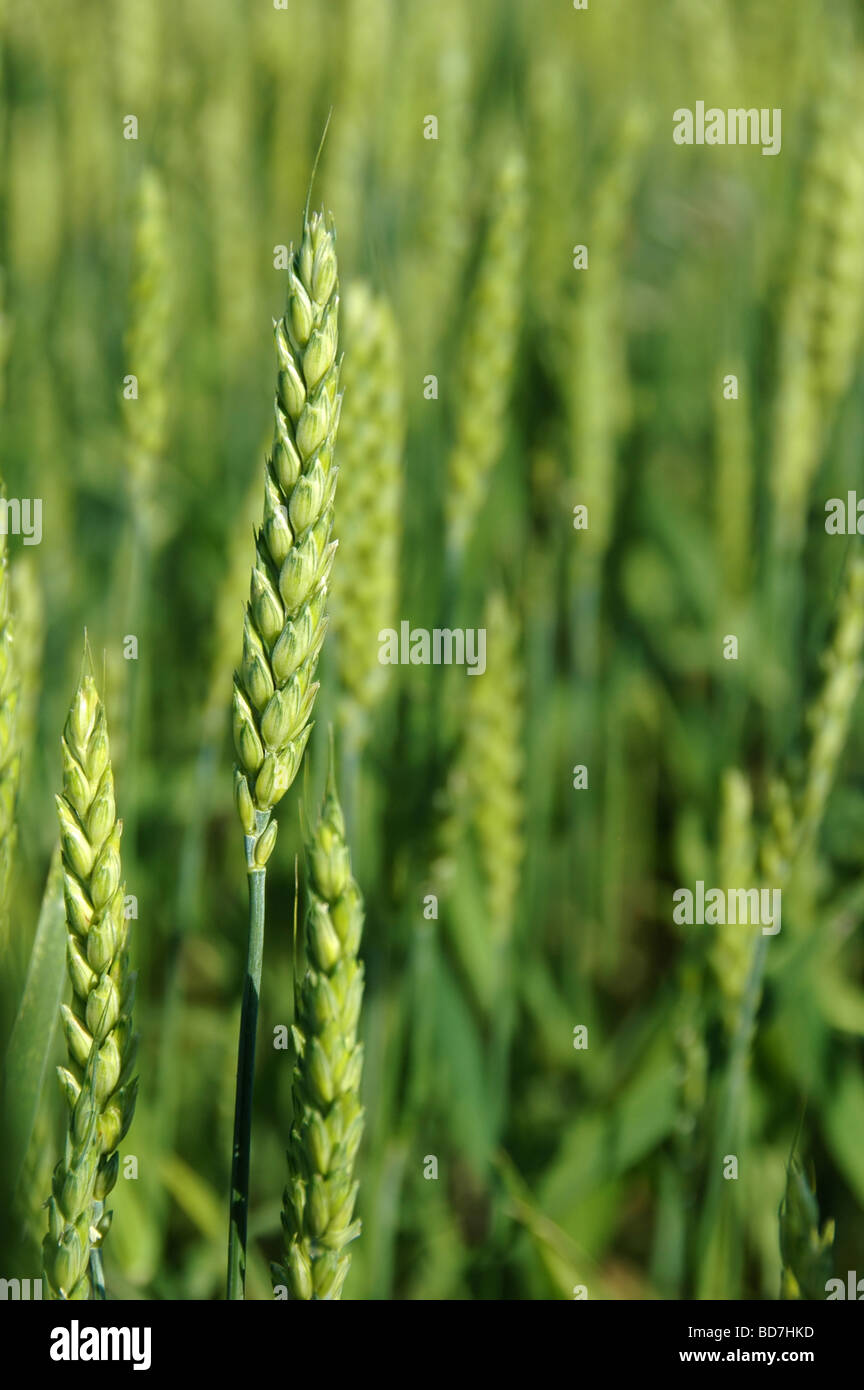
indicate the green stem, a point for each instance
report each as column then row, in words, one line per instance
column 730, row 1125
column 246, row 1071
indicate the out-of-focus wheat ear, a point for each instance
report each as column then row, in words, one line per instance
column 487, row 356
column 806, row 1246
column 493, row 760
column 732, row 945
column 482, row 807
column 796, row 818
column 147, row 346
column 821, row 325
column 371, row 434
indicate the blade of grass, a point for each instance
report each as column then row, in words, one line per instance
column 34, row 1027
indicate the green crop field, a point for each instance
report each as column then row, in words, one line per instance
column 431, row 633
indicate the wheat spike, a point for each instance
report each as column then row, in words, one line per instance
column 97, row 1082
column 274, row 687
column 147, row 343
column 370, row 501
column 318, row 1202
column 488, row 354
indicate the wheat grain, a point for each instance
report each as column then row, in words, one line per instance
column 97, row 1083
column 318, row 1202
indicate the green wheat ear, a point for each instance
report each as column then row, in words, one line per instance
column 97, row 1083
column 318, row 1202
column 806, row 1249
column 274, row 688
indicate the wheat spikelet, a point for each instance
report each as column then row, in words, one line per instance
column 97, row 1083
column 274, row 688
column 488, row 354
column 370, row 501
column 318, row 1202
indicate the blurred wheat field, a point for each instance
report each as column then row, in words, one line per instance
column 578, row 1066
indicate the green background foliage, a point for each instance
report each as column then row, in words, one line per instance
column 556, row 1166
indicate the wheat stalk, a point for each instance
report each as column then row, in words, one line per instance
column 318, row 1202
column 97, row 1083
column 10, row 758
column 285, row 623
